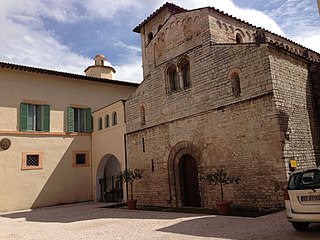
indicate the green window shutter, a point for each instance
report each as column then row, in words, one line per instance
column 88, row 120
column 23, row 117
column 70, row 119
column 46, row 118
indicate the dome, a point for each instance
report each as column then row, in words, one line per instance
column 101, row 56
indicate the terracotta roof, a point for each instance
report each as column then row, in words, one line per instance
column 64, row 74
column 174, row 8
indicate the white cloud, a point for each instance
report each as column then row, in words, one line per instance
column 131, row 72
column 309, row 40
column 300, row 20
column 122, row 45
column 26, row 40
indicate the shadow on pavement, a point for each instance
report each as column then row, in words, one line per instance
column 88, row 211
column 267, row 227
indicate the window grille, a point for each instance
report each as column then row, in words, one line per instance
column 32, row 160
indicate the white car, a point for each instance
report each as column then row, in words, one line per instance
column 302, row 198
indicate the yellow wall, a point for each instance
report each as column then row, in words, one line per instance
column 58, row 182
column 107, row 142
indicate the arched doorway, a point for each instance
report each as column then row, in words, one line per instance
column 189, row 185
column 109, row 188
column 183, row 175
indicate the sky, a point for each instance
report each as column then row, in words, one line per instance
column 65, row 35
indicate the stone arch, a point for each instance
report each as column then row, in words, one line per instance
column 150, row 37
column 184, row 70
column 184, row 21
column 237, row 30
column 225, row 27
column 106, row 181
column 239, row 36
column 162, row 37
column 219, row 24
column 235, row 76
column 172, row 78
column 142, row 114
column 178, row 151
column 248, row 35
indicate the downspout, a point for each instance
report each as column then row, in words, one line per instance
column 125, row 145
column 126, row 161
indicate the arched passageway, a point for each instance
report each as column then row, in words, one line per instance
column 109, row 188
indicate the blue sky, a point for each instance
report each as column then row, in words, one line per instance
column 65, row 35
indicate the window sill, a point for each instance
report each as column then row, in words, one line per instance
column 44, row 133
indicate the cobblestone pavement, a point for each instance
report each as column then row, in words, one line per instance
column 89, row 221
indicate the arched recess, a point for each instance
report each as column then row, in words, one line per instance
column 108, row 188
column 183, row 156
column 239, row 36
column 172, row 78
column 184, row 71
column 143, row 114
column 235, row 80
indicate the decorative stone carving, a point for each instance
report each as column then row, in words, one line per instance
column 5, row 143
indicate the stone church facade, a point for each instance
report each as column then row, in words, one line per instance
column 219, row 93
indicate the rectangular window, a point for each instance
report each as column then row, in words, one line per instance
column 81, row 159
column 32, row 160
column 79, row 120
column 34, row 117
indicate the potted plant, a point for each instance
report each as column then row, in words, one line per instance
column 220, row 177
column 129, row 176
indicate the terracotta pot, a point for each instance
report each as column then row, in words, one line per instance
column 132, row 204
column 223, row 207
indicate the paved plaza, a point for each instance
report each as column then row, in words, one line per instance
column 90, row 221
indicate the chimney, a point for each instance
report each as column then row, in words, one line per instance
column 99, row 70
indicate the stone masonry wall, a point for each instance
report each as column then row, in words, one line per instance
column 252, row 135
column 239, row 133
column 296, row 107
column 242, row 137
column 210, row 66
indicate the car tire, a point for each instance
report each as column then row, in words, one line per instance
column 300, row 226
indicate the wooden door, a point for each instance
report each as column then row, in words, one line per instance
column 189, row 184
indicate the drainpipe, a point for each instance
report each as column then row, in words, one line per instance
column 126, row 161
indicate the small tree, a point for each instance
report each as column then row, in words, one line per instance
column 220, row 177
column 129, row 176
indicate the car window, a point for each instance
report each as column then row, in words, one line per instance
column 305, row 180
